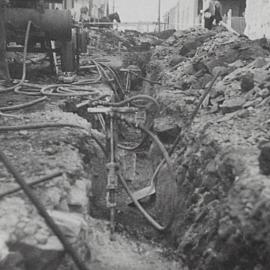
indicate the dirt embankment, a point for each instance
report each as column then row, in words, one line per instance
column 222, row 219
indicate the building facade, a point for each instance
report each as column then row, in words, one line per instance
column 92, row 8
column 245, row 16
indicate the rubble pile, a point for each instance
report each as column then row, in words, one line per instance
column 128, row 40
column 222, row 220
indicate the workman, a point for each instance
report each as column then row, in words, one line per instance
column 212, row 13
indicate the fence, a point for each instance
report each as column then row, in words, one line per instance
column 145, row 27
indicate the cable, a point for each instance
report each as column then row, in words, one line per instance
column 22, row 106
column 38, row 126
column 62, row 90
column 130, row 100
column 32, row 89
column 155, row 224
column 186, row 128
column 34, row 183
column 43, row 212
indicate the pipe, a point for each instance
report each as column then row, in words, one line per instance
column 24, row 105
column 139, row 206
column 193, row 115
column 43, row 212
column 57, row 24
column 37, row 126
column 31, row 184
column 138, row 97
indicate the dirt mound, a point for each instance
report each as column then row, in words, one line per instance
column 222, row 220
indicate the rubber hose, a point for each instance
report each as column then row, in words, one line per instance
column 32, row 89
column 38, row 126
column 193, row 115
column 155, row 224
column 22, row 106
column 48, row 90
column 34, row 183
column 138, row 97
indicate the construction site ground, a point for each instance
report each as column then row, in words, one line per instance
column 220, row 200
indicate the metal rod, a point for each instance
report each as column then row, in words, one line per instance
column 31, row 184
column 159, row 16
column 112, row 195
column 43, row 212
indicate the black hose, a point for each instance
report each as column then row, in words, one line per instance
column 43, row 212
column 187, row 127
column 31, row 184
column 62, row 90
column 22, row 106
column 130, row 100
column 155, row 224
column 38, row 126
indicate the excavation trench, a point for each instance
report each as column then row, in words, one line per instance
column 77, row 199
column 221, row 218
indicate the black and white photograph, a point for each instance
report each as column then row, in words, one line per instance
column 134, row 134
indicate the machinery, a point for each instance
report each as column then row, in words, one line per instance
column 51, row 29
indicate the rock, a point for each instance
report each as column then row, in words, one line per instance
column 232, row 105
column 259, row 62
column 189, row 69
column 220, row 69
column 78, row 199
column 13, row 261
column 219, row 89
column 264, row 93
column 264, row 158
column 189, row 47
column 176, row 60
column 247, row 82
column 4, row 251
column 166, row 129
column 35, row 258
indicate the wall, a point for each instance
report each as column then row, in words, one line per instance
column 97, row 8
column 258, row 19
column 237, row 7
column 183, row 15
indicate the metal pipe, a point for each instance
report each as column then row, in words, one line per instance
column 43, row 212
column 38, row 126
column 31, row 184
column 57, row 24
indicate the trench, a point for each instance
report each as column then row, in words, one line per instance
column 136, row 166
column 219, row 203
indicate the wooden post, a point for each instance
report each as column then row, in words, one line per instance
column 4, row 73
column 229, row 22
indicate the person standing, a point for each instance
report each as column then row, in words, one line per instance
column 218, row 12
column 209, row 15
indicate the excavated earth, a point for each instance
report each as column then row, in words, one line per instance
column 222, row 164
column 220, row 200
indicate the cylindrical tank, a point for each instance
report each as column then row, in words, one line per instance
column 57, row 24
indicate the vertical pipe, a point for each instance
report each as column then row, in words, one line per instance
column 159, row 11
